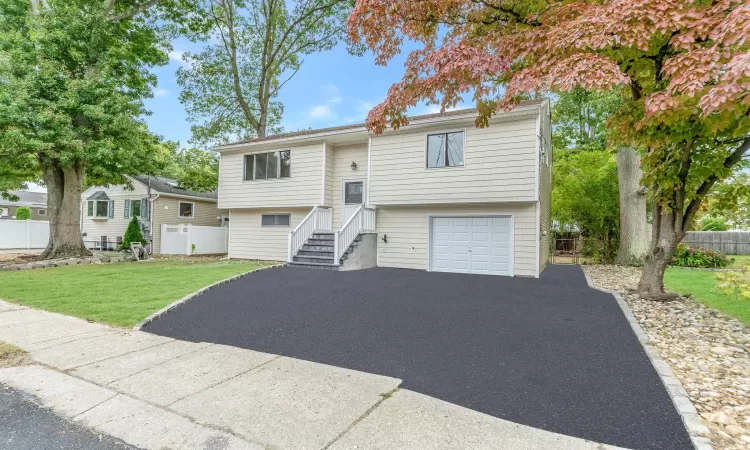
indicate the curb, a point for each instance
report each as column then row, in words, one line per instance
column 190, row 296
column 695, row 427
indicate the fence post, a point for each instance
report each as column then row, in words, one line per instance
column 189, row 240
column 27, row 222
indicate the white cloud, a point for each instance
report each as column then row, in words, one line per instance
column 160, row 92
column 321, row 111
column 178, row 57
column 334, row 94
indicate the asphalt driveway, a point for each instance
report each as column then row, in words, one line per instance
column 550, row 352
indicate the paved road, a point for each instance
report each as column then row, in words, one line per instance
column 550, row 352
column 24, row 425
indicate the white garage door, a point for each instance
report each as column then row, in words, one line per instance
column 472, row 245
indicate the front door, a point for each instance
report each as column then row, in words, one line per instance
column 354, row 197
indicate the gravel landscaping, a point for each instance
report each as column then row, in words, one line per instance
column 708, row 351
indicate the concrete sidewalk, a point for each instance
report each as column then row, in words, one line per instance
column 156, row 392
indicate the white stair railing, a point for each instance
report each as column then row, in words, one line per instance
column 362, row 221
column 320, row 219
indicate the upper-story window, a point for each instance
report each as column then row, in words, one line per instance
column 262, row 166
column 445, row 149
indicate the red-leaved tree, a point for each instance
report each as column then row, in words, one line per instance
column 686, row 65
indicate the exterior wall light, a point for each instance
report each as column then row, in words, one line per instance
column 354, row 165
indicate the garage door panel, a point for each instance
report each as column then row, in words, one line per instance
column 442, row 250
column 471, row 245
column 479, row 250
column 480, row 222
column 461, row 237
column 480, row 237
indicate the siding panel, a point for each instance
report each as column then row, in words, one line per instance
column 500, row 166
column 407, row 229
column 545, row 194
column 114, row 227
column 342, row 170
column 302, row 188
column 248, row 240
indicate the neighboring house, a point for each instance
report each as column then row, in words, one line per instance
column 438, row 194
column 36, row 201
column 106, row 211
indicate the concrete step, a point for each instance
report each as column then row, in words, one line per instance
column 322, row 235
column 320, row 241
column 325, row 253
column 314, row 259
column 318, row 266
column 317, row 248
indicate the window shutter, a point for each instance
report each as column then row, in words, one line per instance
column 111, row 212
column 127, row 209
column 144, row 208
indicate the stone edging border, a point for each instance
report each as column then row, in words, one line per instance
column 696, row 429
column 190, row 296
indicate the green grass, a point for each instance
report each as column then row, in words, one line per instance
column 119, row 294
column 701, row 284
column 739, row 260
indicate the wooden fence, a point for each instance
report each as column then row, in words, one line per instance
column 729, row 242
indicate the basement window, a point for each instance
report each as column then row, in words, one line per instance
column 275, row 220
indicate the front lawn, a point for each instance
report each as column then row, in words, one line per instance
column 701, row 284
column 119, row 294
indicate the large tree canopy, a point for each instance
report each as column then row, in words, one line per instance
column 255, row 46
column 686, row 65
column 73, row 76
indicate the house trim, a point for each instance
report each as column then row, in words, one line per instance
column 323, row 178
column 512, row 235
column 369, row 167
column 538, row 149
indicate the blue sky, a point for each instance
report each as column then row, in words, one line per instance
column 332, row 88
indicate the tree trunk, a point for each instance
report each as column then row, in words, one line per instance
column 633, row 231
column 667, row 232
column 64, row 187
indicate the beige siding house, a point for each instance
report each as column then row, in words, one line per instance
column 438, row 194
column 107, row 211
column 35, row 201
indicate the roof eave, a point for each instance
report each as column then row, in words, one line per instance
column 520, row 110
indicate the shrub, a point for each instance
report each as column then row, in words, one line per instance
column 132, row 234
column 685, row 256
column 714, row 224
column 735, row 282
column 23, row 213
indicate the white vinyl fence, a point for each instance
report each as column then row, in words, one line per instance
column 23, row 234
column 186, row 239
